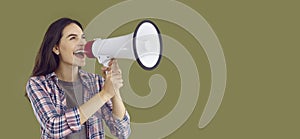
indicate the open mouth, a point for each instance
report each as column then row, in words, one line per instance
column 79, row 53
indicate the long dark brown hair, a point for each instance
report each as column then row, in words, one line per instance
column 46, row 60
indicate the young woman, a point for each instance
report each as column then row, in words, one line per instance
column 68, row 102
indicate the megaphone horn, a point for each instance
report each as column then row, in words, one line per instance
column 143, row 45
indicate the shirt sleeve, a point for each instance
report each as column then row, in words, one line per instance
column 56, row 124
column 118, row 127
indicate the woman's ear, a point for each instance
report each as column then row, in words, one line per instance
column 56, row 50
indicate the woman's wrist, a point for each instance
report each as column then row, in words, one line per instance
column 117, row 95
column 104, row 96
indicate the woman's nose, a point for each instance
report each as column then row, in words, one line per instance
column 82, row 41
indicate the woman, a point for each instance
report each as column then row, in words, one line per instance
column 68, row 102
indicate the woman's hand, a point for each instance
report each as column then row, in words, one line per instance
column 113, row 79
column 116, row 75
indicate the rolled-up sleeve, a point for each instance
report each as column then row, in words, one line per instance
column 56, row 124
column 118, row 127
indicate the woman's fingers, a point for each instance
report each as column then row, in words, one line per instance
column 117, row 80
column 104, row 71
column 115, row 74
column 115, row 66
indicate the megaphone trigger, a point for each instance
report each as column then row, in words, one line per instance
column 104, row 60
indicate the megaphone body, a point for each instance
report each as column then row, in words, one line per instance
column 143, row 45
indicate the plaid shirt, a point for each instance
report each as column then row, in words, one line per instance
column 49, row 105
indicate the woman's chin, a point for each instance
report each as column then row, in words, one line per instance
column 81, row 64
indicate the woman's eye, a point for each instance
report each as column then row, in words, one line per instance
column 72, row 38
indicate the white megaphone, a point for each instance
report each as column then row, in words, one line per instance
column 143, row 45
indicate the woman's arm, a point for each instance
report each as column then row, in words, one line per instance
column 118, row 106
column 93, row 105
column 114, row 111
column 118, row 127
column 56, row 124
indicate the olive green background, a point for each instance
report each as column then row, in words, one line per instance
column 259, row 40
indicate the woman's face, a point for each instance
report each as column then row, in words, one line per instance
column 71, row 46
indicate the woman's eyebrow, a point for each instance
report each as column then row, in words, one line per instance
column 72, row 35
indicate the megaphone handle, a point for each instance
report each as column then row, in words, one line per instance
column 105, row 63
column 104, row 60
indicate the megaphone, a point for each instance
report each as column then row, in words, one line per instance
column 143, row 45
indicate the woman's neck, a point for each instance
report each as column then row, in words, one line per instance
column 67, row 73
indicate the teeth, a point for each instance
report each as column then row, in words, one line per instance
column 79, row 51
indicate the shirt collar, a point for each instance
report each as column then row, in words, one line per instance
column 52, row 75
column 83, row 75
